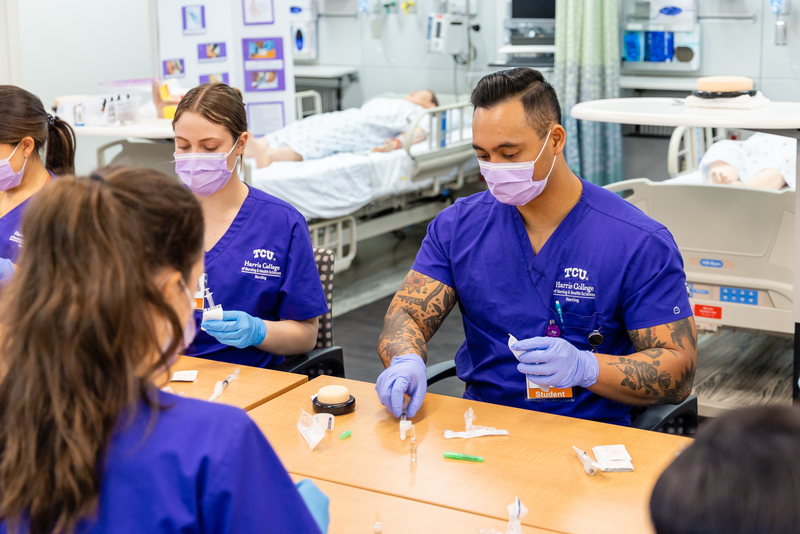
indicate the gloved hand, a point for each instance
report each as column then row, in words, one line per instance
column 406, row 374
column 6, row 269
column 555, row 362
column 316, row 502
column 238, row 329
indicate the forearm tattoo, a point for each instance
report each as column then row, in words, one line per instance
column 411, row 321
column 643, row 374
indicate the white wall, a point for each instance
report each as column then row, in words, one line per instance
column 69, row 47
column 398, row 60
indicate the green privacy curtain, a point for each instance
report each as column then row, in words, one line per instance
column 587, row 68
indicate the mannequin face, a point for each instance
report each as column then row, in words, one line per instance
column 421, row 98
column 723, row 173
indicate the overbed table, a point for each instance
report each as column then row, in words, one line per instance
column 536, row 462
column 251, row 389
column 777, row 118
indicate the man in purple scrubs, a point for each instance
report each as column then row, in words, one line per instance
column 593, row 289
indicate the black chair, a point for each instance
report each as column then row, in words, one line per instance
column 668, row 418
column 326, row 358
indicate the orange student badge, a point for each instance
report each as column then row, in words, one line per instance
column 537, row 393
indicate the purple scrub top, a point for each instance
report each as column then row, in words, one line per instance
column 10, row 234
column 202, row 467
column 263, row 265
column 611, row 267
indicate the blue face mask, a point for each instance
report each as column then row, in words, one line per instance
column 8, row 178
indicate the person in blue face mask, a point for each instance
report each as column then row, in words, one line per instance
column 92, row 319
column 259, row 260
column 25, row 129
column 593, row 289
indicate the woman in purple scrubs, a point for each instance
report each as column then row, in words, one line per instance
column 98, row 309
column 259, row 261
column 25, row 129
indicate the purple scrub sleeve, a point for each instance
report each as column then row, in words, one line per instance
column 609, row 266
column 263, row 266
column 200, row 468
column 653, row 284
column 10, row 233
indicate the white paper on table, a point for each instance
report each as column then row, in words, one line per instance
column 517, row 354
column 184, row 376
column 474, row 431
column 168, row 390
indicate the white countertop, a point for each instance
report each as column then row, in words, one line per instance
column 658, row 83
column 528, row 49
column 323, row 71
column 150, row 129
column 672, row 112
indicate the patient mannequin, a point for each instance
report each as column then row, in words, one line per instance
column 762, row 161
column 374, row 126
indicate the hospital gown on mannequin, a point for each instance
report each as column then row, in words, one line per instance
column 750, row 157
column 345, row 131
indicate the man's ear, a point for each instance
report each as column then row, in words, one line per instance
column 558, row 138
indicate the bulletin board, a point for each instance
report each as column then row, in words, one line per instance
column 242, row 43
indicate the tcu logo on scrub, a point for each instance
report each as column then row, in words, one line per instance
column 575, row 273
column 261, row 253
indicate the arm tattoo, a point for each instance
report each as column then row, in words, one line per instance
column 411, row 321
column 643, row 374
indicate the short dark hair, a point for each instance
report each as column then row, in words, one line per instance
column 538, row 97
column 741, row 476
column 433, row 98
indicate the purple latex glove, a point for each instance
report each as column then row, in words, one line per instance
column 406, row 374
column 555, row 362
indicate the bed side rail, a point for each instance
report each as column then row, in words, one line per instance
column 444, row 136
column 307, row 103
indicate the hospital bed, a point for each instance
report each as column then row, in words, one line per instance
column 354, row 196
column 737, row 248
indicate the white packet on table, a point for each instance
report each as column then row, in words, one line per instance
column 184, row 376
column 310, row 428
column 474, row 431
column 517, row 354
column 613, row 458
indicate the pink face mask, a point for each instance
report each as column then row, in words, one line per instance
column 189, row 330
column 512, row 183
column 204, row 174
column 8, row 178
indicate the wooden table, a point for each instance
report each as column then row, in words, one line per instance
column 353, row 510
column 536, row 462
column 252, row 388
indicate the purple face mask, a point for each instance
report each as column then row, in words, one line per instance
column 512, row 183
column 204, row 174
column 8, row 178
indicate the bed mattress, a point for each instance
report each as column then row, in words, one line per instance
column 339, row 185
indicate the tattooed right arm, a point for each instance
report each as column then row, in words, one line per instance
column 417, row 311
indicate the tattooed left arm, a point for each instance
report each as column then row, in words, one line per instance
column 661, row 371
